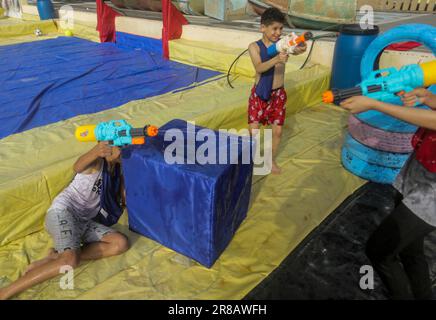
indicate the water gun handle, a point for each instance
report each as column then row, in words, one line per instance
column 407, row 90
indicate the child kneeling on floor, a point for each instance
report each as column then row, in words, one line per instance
column 72, row 219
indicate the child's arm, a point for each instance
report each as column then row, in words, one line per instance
column 419, row 117
column 261, row 67
column 89, row 160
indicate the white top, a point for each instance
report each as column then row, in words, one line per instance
column 82, row 196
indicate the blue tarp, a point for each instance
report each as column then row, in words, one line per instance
column 47, row 81
column 191, row 206
column 133, row 42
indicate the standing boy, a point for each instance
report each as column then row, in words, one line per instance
column 266, row 105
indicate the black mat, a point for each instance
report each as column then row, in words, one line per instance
column 326, row 265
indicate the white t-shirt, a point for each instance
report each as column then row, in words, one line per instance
column 82, row 196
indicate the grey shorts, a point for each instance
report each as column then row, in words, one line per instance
column 69, row 231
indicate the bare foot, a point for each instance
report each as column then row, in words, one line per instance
column 275, row 169
column 51, row 255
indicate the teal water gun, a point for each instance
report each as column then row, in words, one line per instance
column 386, row 84
column 116, row 132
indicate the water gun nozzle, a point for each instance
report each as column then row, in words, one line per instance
column 308, row 35
column 328, row 97
column 152, row 131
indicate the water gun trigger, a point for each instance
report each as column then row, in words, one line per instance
column 407, row 90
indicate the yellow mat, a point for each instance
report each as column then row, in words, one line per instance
column 84, row 31
column 13, row 31
column 284, row 208
column 37, row 164
column 12, row 27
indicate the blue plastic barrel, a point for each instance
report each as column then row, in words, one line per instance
column 45, row 9
column 349, row 49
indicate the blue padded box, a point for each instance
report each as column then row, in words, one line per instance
column 182, row 202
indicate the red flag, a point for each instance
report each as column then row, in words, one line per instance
column 173, row 21
column 106, row 22
column 404, row 46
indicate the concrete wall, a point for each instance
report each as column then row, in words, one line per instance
column 322, row 52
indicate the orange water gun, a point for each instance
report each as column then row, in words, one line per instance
column 289, row 43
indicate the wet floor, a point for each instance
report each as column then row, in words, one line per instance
column 327, row 264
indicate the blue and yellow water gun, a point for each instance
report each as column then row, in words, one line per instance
column 116, row 132
column 387, row 84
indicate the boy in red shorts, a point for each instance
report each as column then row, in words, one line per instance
column 267, row 102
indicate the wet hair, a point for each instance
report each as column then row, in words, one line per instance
column 271, row 15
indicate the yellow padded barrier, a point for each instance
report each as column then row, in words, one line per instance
column 36, row 165
column 11, row 27
column 215, row 56
column 84, row 31
column 13, row 31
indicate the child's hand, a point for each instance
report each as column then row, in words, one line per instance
column 358, row 104
column 417, row 95
column 103, row 149
column 282, row 57
column 300, row 49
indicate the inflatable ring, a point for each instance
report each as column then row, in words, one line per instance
column 422, row 33
column 379, row 139
column 372, row 172
column 371, row 156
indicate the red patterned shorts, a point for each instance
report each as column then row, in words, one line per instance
column 272, row 111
